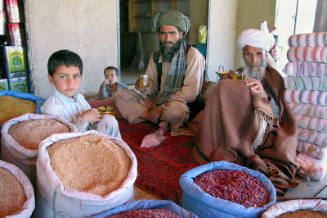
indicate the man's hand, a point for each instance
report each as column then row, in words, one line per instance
column 91, row 116
column 256, row 88
column 155, row 114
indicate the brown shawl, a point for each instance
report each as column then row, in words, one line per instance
column 231, row 121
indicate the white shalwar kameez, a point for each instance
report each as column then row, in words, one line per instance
column 71, row 109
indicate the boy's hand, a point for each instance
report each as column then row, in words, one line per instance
column 104, row 83
column 91, row 116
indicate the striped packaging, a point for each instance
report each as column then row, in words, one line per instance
column 13, row 11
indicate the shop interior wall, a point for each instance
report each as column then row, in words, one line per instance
column 198, row 16
column 221, row 36
column 250, row 14
column 87, row 27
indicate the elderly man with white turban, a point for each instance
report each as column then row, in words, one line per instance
column 249, row 122
column 176, row 75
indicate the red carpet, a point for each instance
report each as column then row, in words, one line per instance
column 159, row 168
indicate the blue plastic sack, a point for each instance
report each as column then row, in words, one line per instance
column 38, row 100
column 205, row 205
column 148, row 204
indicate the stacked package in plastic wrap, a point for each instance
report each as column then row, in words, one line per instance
column 306, row 85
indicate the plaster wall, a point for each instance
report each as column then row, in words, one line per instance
column 198, row 16
column 89, row 28
column 250, row 14
column 221, row 36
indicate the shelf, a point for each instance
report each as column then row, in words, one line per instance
column 143, row 16
column 142, row 1
column 136, row 11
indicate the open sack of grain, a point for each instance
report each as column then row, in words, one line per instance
column 147, row 208
column 244, row 192
column 16, row 192
column 14, row 104
column 81, row 174
column 22, row 135
column 297, row 208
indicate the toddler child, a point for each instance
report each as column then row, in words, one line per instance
column 110, row 85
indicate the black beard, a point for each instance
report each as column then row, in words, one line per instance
column 168, row 53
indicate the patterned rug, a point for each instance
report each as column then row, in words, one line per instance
column 159, row 168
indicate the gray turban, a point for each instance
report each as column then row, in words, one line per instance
column 256, row 38
column 172, row 18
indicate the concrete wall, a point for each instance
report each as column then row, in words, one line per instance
column 87, row 27
column 250, row 14
column 198, row 16
column 221, row 36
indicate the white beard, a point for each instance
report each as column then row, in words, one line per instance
column 258, row 74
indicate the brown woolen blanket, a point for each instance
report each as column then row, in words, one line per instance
column 231, row 121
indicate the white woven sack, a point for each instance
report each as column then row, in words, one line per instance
column 275, row 210
column 29, row 204
column 55, row 200
column 22, row 157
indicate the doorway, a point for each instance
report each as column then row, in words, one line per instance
column 137, row 37
column 292, row 17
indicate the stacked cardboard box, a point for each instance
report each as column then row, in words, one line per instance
column 3, row 85
column 15, row 25
column 16, row 68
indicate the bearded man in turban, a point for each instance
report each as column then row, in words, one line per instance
column 249, row 121
column 176, row 74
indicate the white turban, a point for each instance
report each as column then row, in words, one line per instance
column 256, row 38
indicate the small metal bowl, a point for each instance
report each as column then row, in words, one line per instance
column 106, row 110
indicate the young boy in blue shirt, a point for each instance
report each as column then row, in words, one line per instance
column 65, row 70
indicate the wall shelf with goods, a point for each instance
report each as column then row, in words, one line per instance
column 140, row 12
column 14, row 74
column 139, row 31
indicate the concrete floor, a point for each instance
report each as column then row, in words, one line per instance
column 307, row 189
column 141, row 194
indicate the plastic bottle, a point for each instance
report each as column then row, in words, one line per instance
column 273, row 50
column 274, row 32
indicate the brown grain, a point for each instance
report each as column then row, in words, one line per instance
column 303, row 213
column 90, row 163
column 11, row 107
column 12, row 195
column 30, row 133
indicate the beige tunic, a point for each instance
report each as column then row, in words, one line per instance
column 133, row 104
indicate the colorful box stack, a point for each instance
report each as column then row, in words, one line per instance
column 16, row 68
column 15, row 28
column 306, row 85
column 13, row 52
column 2, row 19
